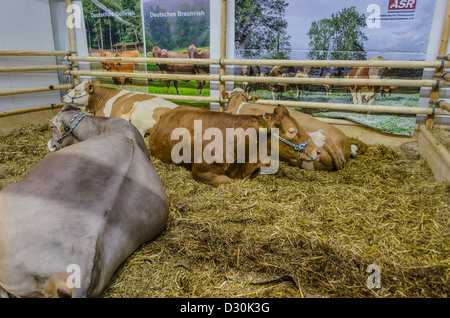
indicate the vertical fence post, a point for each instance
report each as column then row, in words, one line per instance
column 223, row 48
column 440, row 70
column 73, row 45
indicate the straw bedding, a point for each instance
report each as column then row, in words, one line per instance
column 293, row 234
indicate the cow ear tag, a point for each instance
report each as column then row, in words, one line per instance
column 91, row 89
column 253, row 99
column 63, row 130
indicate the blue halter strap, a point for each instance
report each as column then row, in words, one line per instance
column 296, row 147
column 67, row 130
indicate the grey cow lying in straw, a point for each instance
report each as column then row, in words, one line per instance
column 81, row 211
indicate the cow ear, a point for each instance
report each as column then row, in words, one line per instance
column 150, row 54
column 254, row 97
column 90, row 87
column 185, row 53
column 199, row 51
column 96, row 83
column 278, row 114
column 281, row 111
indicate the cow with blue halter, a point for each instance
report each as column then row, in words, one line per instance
column 81, row 211
column 335, row 147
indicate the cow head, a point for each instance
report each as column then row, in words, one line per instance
column 63, row 126
column 107, row 65
column 80, row 94
column 192, row 51
column 295, row 145
column 237, row 97
column 239, row 91
column 156, row 52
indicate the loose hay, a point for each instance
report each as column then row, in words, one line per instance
column 294, row 234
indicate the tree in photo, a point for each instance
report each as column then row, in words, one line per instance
column 192, row 29
column 260, row 29
column 340, row 37
column 159, row 31
column 105, row 31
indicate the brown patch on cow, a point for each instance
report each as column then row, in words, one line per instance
column 124, row 104
column 98, row 98
column 159, row 111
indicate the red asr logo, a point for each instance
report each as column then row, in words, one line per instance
column 402, row 4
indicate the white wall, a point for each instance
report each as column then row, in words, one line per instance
column 26, row 25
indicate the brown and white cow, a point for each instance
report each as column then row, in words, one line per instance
column 142, row 110
column 171, row 68
column 334, row 146
column 197, row 125
column 81, row 211
column 362, row 93
column 197, row 53
column 304, row 72
column 328, row 87
column 385, row 90
column 250, row 70
column 280, row 88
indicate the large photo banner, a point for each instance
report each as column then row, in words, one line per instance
column 337, row 30
column 114, row 28
column 177, row 29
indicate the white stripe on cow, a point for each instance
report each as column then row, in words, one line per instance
column 239, row 109
column 317, row 137
column 141, row 116
column 109, row 104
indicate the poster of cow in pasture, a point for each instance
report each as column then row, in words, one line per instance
column 149, row 28
column 114, row 28
column 336, row 30
column 177, row 29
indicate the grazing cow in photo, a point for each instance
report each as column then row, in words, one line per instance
column 81, row 211
column 196, row 53
column 280, row 88
column 141, row 110
column 384, row 90
column 109, row 66
column 328, row 87
column 334, row 146
column 171, row 68
column 125, row 67
column 304, row 72
column 250, row 70
column 295, row 148
column 367, row 93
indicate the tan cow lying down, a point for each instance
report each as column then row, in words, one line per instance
column 195, row 125
column 142, row 110
column 335, row 149
column 80, row 212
